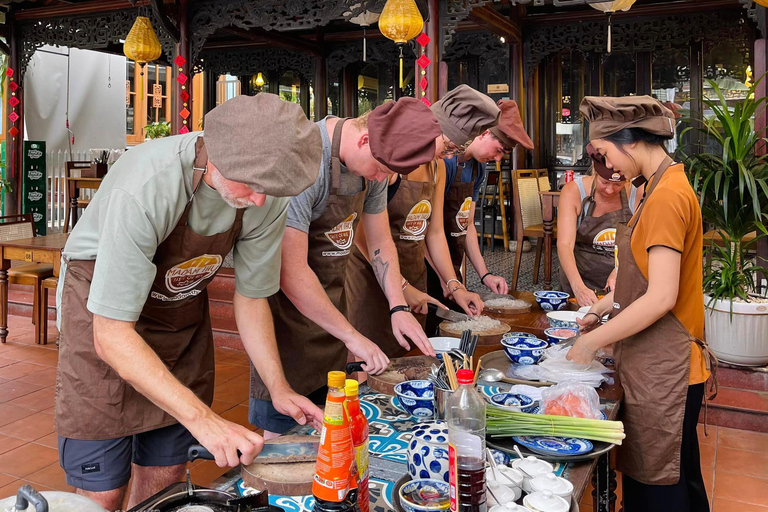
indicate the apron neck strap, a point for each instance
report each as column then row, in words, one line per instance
column 200, row 166
column 649, row 188
column 335, row 160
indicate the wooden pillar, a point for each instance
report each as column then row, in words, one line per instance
column 321, row 80
column 761, row 118
column 516, row 73
column 182, row 105
column 349, row 91
column 210, row 80
column 14, row 134
column 432, row 51
column 643, row 73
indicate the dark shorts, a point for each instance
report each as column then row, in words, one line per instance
column 99, row 466
column 262, row 414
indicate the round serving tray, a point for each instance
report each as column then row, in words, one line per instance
column 507, row 444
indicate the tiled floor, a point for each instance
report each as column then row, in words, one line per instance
column 735, row 462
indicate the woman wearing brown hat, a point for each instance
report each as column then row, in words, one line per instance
column 586, row 229
column 657, row 309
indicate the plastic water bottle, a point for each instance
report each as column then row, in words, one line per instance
column 465, row 416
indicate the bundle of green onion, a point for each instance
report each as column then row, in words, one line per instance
column 504, row 423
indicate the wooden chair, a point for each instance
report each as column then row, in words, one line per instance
column 495, row 202
column 73, row 203
column 14, row 227
column 48, row 284
column 526, row 186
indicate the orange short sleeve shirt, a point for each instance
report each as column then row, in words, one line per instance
column 672, row 218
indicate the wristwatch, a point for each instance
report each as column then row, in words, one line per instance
column 397, row 309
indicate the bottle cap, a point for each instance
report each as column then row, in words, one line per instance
column 336, row 379
column 465, row 376
column 351, row 387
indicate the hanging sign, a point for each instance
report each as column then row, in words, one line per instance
column 128, row 93
column 498, row 88
column 157, row 96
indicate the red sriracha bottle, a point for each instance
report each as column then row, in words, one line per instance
column 359, row 426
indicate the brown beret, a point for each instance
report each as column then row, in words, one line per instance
column 402, row 134
column 510, row 130
column 464, row 113
column 598, row 163
column 264, row 142
column 608, row 115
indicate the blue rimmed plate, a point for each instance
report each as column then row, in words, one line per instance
column 555, row 445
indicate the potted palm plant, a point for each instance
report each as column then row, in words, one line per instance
column 731, row 180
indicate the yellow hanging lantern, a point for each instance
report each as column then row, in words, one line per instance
column 764, row 3
column 142, row 46
column 612, row 7
column 400, row 21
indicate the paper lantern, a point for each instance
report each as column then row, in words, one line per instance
column 400, row 21
column 764, row 3
column 142, row 46
column 365, row 19
column 610, row 8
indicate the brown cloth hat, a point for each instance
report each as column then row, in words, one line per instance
column 402, row 134
column 598, row 162
column 510, row 130
column 607, row 115
column 464, row 113
column 264, row 142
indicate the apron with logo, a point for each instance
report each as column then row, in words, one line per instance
column 653, row 367
column 307, row 351
column 595, row 239
column 92, row 401
column 367, row 306
column 457, row 208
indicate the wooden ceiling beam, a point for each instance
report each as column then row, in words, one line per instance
column 94, row 7
column 490, row 19
column 276, row 39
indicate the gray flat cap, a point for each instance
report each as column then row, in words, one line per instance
column 264, row 142
column 464, row 113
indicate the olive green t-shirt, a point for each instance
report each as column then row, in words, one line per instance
column 138, row 205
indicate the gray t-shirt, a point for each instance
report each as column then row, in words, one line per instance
column 138, row 205
column 310, row 204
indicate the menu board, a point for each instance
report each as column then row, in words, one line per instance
column 33, row 192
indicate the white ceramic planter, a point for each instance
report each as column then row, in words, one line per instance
column 741, row 339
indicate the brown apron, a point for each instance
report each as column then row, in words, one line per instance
column 653, row 366
column 456, row 211
column 92, row 401
column 367, row 306
column 307, row 351
column 595, row 238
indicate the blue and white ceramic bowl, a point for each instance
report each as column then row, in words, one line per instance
column 564, row 319
column 551, row 300
column 555, row 445
column 417, row 397
column 428, row 451
column 511, row 338
column 554, row 337
column 513, row 402
column 424, row 495
column 527, row 351
column 443, row 344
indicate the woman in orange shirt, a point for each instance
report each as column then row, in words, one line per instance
column 657, row 309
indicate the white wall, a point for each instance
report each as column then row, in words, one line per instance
column 96, row 111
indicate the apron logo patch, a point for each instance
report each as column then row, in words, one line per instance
column 341, row 236
column 92, row 467
column 605, row 240
column 187, row 275
column 416, row 221
column 462, row 217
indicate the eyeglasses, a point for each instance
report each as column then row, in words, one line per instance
column 452, row 149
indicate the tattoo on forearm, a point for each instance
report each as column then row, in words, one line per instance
column 380, row 269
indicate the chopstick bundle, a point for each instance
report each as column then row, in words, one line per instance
column 451, row 372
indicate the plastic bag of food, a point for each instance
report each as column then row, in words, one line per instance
column 573, row 399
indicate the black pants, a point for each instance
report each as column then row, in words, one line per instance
column 689, row 493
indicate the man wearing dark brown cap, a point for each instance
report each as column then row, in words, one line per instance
column 465, row 173
column 314, row 337
column 136, row 365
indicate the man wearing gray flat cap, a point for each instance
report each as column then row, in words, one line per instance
column 136, row 361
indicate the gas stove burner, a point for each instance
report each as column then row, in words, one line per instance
column 196, row 508
column 185, row 497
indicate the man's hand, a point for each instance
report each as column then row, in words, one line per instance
column 418, row 300
column 298, row 407
column 404, row 325
column 364, row 349
column 496, row 284
column 585, row 296
column 470, row 302
column 223, row 438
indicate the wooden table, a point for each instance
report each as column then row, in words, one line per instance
column 74, row 185
column 549, row 201
column 41, row 249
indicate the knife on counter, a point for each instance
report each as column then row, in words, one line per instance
column 448, row 314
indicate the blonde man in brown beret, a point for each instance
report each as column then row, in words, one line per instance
column 314, row 337
column 657, row 309
column 136, row 367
